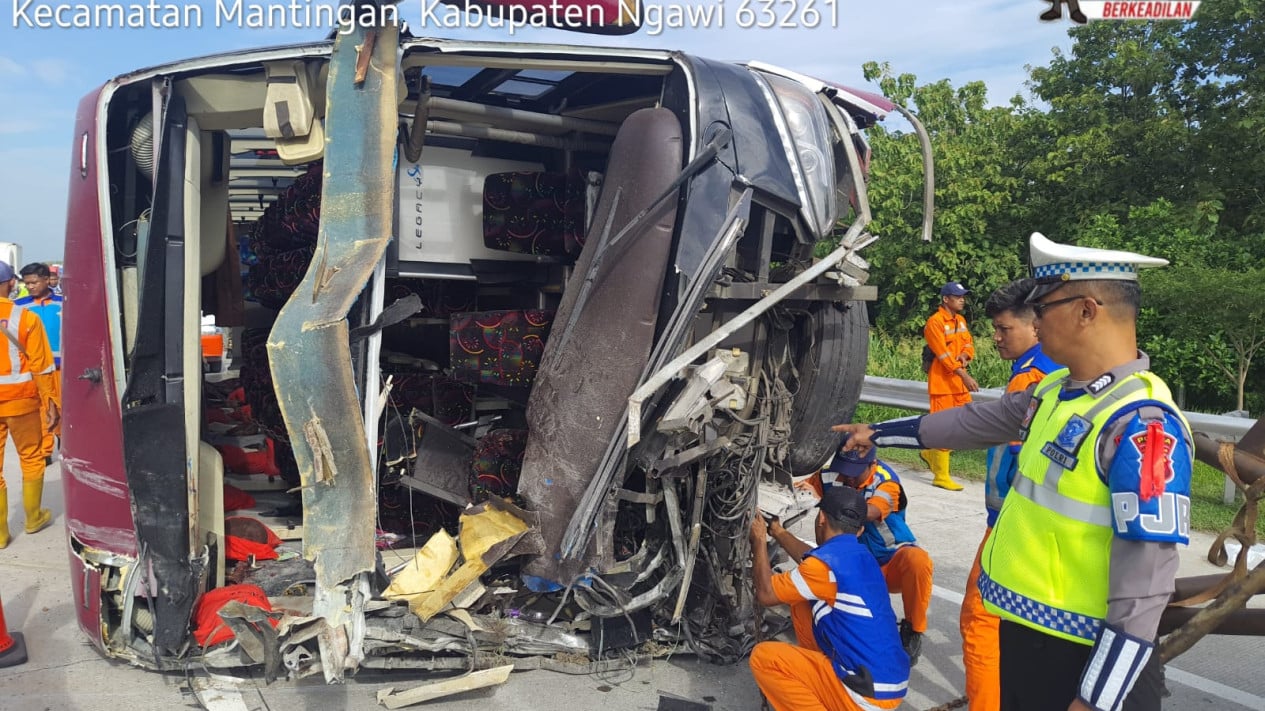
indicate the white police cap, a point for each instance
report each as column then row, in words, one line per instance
column 1054, row 263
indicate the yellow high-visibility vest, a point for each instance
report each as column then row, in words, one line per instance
column 1047, row 561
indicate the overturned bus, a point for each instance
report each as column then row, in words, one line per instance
column 514, row 335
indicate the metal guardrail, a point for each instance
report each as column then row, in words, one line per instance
column 912, row 395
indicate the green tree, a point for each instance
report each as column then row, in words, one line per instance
column 1116, row 133
column 1218, row 311
column 1146, row 136
column 1222, row 90
column 972, row 191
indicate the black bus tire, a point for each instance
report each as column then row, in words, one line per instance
column 833, row 345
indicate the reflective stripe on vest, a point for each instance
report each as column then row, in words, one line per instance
column 1049, row 383
column 1046, row 494
column 14, row 326
column 15, row 374
column 16, row 381
column 1021, row 608
column 858, row 627
column 890, row 533
column 1047, row 562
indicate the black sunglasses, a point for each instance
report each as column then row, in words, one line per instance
column 1040, row 308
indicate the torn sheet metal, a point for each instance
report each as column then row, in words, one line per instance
column 453, row 631
column 443, row 458
column 254, row 632
column 307, row 348
column 789, row 504
column 482, row 679
column 218, row 693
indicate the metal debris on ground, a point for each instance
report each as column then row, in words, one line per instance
column 481, row 679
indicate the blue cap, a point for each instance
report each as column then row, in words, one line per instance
column 6, row 272
column 954, row 288
column 851, row 464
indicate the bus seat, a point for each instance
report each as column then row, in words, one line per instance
column 498, row 347
column 534, row 213
column 496, row 464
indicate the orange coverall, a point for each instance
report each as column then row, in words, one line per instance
column 949, row 340
column 50, row 436
column 800, row 677
column 27, row 376
column 980, row 646
column 948, row 337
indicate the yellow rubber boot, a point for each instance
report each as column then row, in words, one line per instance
column 940, row 471
column 37, row 519
column 4, row 517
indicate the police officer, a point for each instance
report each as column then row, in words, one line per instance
column 1015, row 336
column 848, row 654
column 1082, row 560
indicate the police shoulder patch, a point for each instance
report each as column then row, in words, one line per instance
column 1101, row 383
column 1026, row 425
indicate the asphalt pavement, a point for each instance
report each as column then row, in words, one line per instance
column 65, row 673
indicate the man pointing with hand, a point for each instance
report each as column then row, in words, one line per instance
column 1083, row 555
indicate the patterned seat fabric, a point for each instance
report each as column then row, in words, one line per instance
column 534, row 213
column 447, row 400
column 497, row 461
column 498, row 347
column 256, row 380
column 277, row 254
column 276, row 275
column 278, row 251
column 439, row 297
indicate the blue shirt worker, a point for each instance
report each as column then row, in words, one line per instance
column 848, row 654
column 45, row 303
column 906, row 567
column 1083, row 556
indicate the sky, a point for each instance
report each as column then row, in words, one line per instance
column 45, row 71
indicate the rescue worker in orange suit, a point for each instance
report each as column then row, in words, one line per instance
column 1015, row 336
column 948, row 382
column 47, row 304
column 906, row 567
column 1084, row 554
column 848, row 654
column 26, row 385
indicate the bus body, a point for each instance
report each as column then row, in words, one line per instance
column 563, row 290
